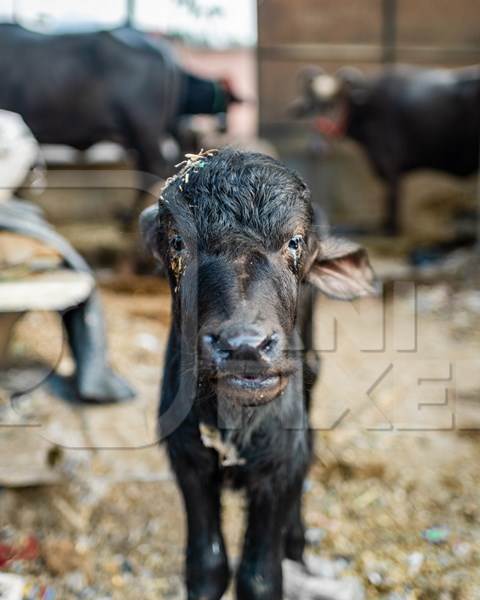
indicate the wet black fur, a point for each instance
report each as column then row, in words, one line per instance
column 237, row 205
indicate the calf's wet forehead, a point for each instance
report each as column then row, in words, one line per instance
column 234, row 194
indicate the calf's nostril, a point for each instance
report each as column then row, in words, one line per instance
column 209, row 343
column 209, row 340
column 213, row 347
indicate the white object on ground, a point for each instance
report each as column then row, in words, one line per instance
column 11, row 587
column 300, row 584
column 148, row 342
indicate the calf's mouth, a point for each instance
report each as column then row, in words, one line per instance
column 252, row 387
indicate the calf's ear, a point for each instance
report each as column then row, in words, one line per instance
column 341, row 270
column 149, row 228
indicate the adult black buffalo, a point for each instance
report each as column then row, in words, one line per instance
column 235, row 233
column 82, row 88
column 405, row 118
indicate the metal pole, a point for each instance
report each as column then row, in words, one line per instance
column 477, row 246
column 389, row 31
column 130, row 13
column 259, row 64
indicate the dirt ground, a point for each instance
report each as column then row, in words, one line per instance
column 392, row 494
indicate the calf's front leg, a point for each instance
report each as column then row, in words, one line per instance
column 260, row 572
column 295, row 533
column 207, row 570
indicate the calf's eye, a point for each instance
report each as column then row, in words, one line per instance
column 177, row 244
column 295, row 243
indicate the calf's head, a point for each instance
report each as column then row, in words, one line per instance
column 206, row 96
column 327, row 94
column 235, row 232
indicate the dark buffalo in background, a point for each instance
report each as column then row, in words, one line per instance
column 405, row 118
column 79, row 89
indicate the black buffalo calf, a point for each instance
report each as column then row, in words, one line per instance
column 235, row 232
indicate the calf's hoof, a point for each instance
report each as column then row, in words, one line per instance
column 253, row 586
column 208, row 582
column 295, row 545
